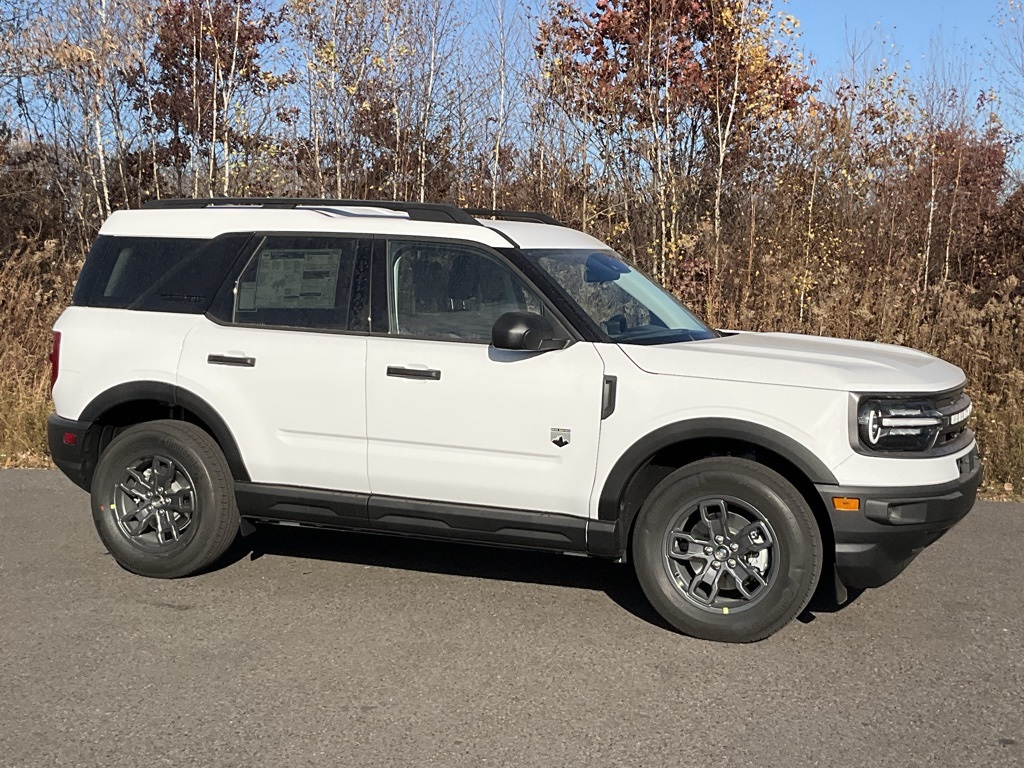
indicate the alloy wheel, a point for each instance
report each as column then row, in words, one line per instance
column 721, row 554
column 155, row 504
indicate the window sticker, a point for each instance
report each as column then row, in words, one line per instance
column 247, row 297
column 296, row 279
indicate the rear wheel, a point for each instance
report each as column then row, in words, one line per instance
column 163, row 499
column 727, row 549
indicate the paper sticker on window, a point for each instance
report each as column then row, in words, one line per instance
column 297, row 279
column 246, row 297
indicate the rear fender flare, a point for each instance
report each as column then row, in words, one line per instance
column 176, row 396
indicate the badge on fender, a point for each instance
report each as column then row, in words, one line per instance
column 561, row 437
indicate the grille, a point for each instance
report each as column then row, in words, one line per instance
column 952, row 406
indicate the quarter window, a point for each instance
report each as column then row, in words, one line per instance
column 156, row 274
column 448, row 291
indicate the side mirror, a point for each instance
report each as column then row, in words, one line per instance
column 526, row 332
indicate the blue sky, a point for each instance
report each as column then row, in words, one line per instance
column 911, row 25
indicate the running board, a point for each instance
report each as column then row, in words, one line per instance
column 412, row 517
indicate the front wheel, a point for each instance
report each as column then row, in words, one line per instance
column 727, row 549
column 163, row 499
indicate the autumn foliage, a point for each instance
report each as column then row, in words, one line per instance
column 690, row 134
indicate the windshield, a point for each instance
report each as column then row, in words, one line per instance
column 623, row 302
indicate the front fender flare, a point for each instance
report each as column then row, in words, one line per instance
column 610, row 529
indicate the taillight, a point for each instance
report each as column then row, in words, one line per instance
column 55, row 359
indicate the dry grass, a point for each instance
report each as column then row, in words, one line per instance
column 35, row 286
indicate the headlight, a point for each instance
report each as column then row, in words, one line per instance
column 899, row 425
column 922, row 425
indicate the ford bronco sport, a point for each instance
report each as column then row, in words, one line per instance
column 490, row 377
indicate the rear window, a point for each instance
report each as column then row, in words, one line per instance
column 299, row 281
column 156, row 274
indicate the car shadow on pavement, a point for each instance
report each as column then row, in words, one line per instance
column 617, row 581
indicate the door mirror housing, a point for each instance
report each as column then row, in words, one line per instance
column 525, row 332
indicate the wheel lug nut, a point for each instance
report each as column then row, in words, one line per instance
column 719, row 539
column 708, row 550
column 734, row 546
column 715, row 564
column 732, row 563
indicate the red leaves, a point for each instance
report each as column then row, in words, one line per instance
column 647, row 61
column 205, row 51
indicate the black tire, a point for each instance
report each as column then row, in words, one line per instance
column 193, row 518
column 731, row 491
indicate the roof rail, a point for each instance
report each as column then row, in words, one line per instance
column 535, row 216
column 415, row 211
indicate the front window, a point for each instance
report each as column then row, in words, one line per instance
column 452, row 292
column 622, row 301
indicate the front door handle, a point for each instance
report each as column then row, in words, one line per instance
column 236, row 360
column 414, row 373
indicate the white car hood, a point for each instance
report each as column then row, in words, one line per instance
column 788, row 359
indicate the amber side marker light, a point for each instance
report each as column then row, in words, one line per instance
column 845, row 504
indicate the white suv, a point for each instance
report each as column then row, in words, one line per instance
column 489, row 377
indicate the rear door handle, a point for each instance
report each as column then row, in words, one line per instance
column 236, row 360
column 414, row 373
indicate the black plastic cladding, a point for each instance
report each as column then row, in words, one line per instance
column 173, row 395
column 611, row 511
column 414, row 517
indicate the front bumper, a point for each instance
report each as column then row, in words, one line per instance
column 875, row 544
column 68, row 442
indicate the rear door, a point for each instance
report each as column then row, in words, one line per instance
column 281, row 357
column 452, row 419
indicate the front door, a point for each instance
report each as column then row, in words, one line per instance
column 452, row 419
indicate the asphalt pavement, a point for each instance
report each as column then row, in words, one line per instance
column 317, row 648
